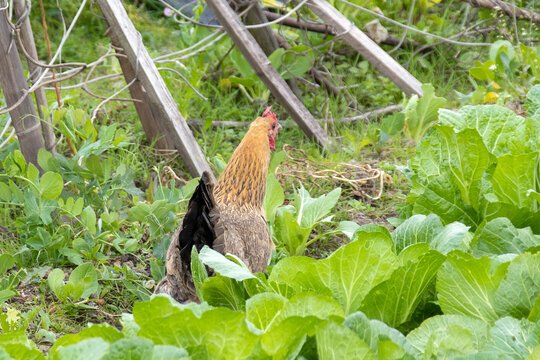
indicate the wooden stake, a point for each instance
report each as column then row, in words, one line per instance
column 265, row 71
column 25, row 120
column 27, row 38
column 365, row 46
column 161, row 101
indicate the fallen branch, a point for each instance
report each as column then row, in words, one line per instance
column 374, row 113
column 507, row 9
column 328, row 30
column 365, row 116
column 301, row 24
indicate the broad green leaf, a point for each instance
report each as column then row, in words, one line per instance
column 284, row 338
column 443, row 198
column 534, row 315
column 84, row 279
column 348, row 228
column 198, row 271
column 519, row 217
column 297, row 60
column 167, row 352
column 16, row 193
column 514, row 176
column 499, row 236
column 273, row 199
column 50, row 185
column 32, row 174
column 310, row 304
column 106, row 332
column 310, row 211
column 93, row 163
column 416, row 229
column 454, row 236
column 296, row 274
column 468, row 160
column 513, row 339
column 535, row 354
column 19, row 351
column 88, row 218
column 6, row 294
column 276, row 58
column 338, row 342
column 429, row 161
column 241, row 64
column 132, row 349
column 421, row 113
column 483, row 71
column 214, row 334
column 5, row 192
column 349, row 273
column 373, row 332
column 262, row 309
column 290, row 236
column 15, row 337
column 495, row 124
column 56, row 283
column 394, row 300
column 451, row 118
column 87, row 349
column 532, row 103
column 445, row 335
column 7, row 261
column 224, row 266
column 520, row 287
column 393, row 124
column 225, row 292
column 467, row 286
column 247, row 82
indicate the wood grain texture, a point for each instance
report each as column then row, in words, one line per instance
column 27, row 38
column 13, row 81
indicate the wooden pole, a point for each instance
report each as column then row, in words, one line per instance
column 27, row 38
column 161, row 101
column 365, row 46
column 24, row 117
column 265, row 71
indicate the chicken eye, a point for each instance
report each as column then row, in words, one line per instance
column 273, row 126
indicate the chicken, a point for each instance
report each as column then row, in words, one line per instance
column 228, row 217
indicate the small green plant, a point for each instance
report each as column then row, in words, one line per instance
column 291, row 226
column 507, row 72
column 83, row 282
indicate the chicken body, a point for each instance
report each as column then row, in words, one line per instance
column 228, row 217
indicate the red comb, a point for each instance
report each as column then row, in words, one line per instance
column 268, row 113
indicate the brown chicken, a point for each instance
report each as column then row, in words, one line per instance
column 228, row 217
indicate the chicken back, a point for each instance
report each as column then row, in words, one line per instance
column 228, row 217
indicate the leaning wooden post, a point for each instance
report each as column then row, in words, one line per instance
column 255, row 56
column 27, row 38
column 24, row 117
column 266, row 39
column 161, row 100
column 345, row 29
column 150, row 123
